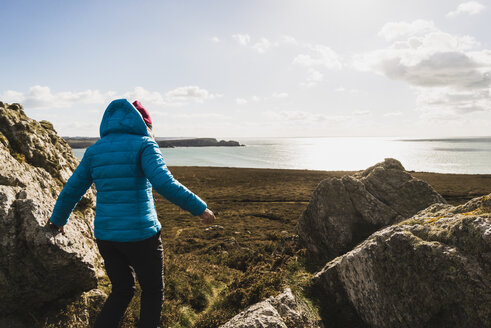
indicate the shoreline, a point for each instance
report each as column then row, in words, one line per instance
column 85, row 142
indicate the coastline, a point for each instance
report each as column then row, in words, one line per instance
column 85, row 142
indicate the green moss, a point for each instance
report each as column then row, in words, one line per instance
column 47, row 125
column 21, row 158
column 4, row 140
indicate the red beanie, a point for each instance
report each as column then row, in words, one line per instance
column 143, row 111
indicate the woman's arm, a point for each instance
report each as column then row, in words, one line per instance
column 74, row 189
column 154, row 168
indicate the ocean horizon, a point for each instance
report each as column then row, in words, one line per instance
column 467, row 155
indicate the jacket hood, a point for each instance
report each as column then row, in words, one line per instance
column 121, row 117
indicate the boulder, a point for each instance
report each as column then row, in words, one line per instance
column 282, row 311
column 344, row 211
column 37, row 264
column 432, row 270
column 76, row 312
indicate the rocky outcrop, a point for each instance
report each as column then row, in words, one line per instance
column 344, row 211
column 77, row 312
column 38, row 264
column 35, row 143
column 432, row 270
column 197, row 142
column 282, row 311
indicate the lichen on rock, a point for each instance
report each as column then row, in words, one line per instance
column 37, row 141
column 344, row 211
column 418, row 273
column 282, row 311
column 38, row 264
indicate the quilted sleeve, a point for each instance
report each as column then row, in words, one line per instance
column 71, row 194
column 163, row 182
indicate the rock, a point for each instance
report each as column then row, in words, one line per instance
column 78, row 312
column 37, row 264
column 196, row 142
column 344, row 211
column 214, row 227
column 36, row 143
column 282, row 311
column 432, row 270
column 231, row 243
column 82, row 311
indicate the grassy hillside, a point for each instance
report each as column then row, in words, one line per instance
column 212, row 273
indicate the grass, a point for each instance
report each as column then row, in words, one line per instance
column 211, row 275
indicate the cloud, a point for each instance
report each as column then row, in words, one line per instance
column 279, row 95
column 12, row 96
column 392, row 114
column 319, row 55
column 242, row 39
column 468, row 8
column 215, row 39
column 362, row 113
column 189, row 93
column 288, row 39
column 201, row 116
column 447, row 72
column 353, row 91
column 395, row 30
column 453, row 100
column 42, row 97
column 313, row 77
column 302, row 116
column 314, row 57
column 240, row 101
column 39, row 97
column 145, row 96
column 263, row 44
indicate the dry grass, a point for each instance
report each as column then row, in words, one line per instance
column 211, row 275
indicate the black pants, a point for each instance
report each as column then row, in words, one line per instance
column 122, row 260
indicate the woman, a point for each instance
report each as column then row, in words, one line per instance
column 124, row 165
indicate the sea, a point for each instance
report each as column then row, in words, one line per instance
column 471, row 155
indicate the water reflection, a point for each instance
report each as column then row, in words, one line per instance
column 457, row 155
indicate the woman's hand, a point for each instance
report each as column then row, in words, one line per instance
column 54, row 226
column 207, row 217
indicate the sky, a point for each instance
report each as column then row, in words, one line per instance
column 253, row 68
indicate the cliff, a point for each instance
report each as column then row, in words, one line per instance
column 84, row 142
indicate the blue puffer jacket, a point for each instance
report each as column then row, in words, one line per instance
column 124, row 165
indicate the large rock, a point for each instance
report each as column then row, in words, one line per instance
column 344, row 211
column 76, row 312
column 282, row 311
column 37, row 264
column 433, row 270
